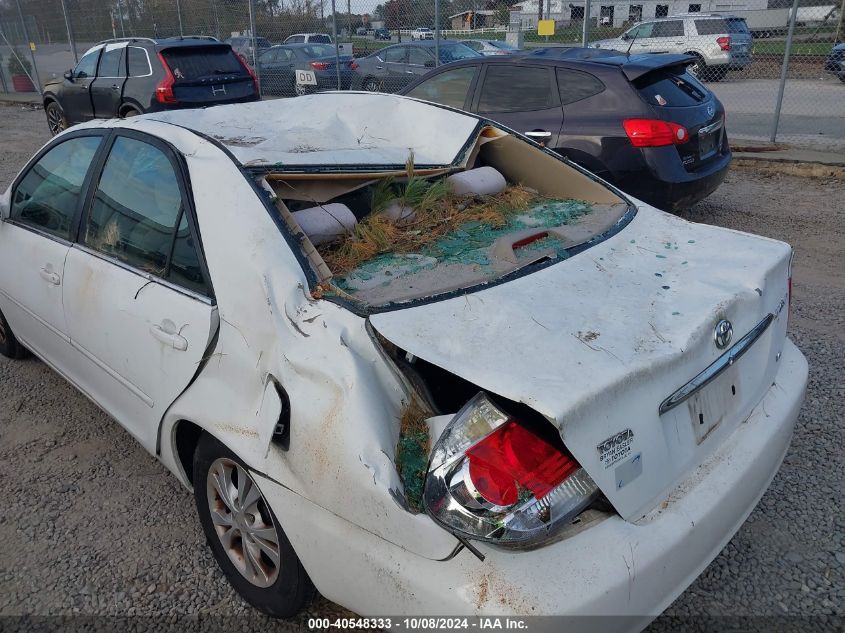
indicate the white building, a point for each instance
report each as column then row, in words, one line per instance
column 619, row 14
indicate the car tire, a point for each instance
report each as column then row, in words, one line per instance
column 130, row 112
column 371, row 84
column 10, row 347
column 56, row 119
column 264, row 569
column 299, row 90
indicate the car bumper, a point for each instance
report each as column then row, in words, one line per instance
column 667, row 185
column 614, row 568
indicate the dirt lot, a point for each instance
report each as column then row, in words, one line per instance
column 91, row 524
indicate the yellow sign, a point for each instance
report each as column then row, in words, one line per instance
column 546, row 27
column 32, row 46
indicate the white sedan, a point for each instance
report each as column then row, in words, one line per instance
column 406, row 356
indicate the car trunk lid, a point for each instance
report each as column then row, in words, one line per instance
column 207, row 74
column 598, row 342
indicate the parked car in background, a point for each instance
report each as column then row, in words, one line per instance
column 297, row 69
column 242, row 45
column 718, row 43
column 308, row 38
column 126, row 77
column 422, row 33
column 393, row 67
column 835, row 62
column 491, row 47
column 496, row 418
column 382, row 34
column 643, row 123
column 361, row 30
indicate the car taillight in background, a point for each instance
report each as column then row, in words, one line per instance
column 164, row 88
column 353, row 65
column 724, row 43
column 248, row 68
column 654, row 132
column 493, row 478
column 319, row 65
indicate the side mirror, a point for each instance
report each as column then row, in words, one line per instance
column 429, row 64
column 68, row 75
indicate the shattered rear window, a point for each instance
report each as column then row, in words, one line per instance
column 193, row 62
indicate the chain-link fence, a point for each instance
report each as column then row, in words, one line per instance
column 775, row 64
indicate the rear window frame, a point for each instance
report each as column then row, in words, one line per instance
column 661, row 74
column 241, row 70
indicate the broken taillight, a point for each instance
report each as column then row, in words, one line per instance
column 654, row 132
column 493, row 478
column 724, row 43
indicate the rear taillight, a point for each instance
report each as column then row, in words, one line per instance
column 512, row 459
column 248, row 68
column 353, row 65
column 319, row 65
column 164, row 88
column 491, row 477
column 724, row 43
column 654, row 132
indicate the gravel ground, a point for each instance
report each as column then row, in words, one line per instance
column 91, row 524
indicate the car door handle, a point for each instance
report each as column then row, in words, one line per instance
column 379, row 67
column 539, row 134
column 409, row 72
column 115, row 87
column 50, row 276
column 172, row 339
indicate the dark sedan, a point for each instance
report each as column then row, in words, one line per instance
column 393, row 67
column 298, row 69
column 642, row 123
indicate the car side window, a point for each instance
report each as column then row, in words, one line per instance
column 48, row 195
column 394, row 54
column 515, row 89
column 668, row 28
column 575, row 86
column 138, row 62
column 87, row 66
column 641, row 31
column 138, row 215
column 419, row 56
column 111, row 63
column 449, row 88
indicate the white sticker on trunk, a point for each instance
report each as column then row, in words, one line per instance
column 616, row 447
column 306, row 77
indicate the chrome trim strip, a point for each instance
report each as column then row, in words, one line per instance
column 707, row 129
column 717, row 367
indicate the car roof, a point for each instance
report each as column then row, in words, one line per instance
column 353, row 131
column 696, row 16
column 590, row 59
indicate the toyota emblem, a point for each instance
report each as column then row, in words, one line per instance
column 723, row 334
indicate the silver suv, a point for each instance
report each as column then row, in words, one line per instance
column 718, row 42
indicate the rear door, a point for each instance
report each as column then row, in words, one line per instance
column 277, row 70
column 107, row 88
column 139, row 307
column 76, row 96
column 420, row 61
column 207, row 74
column 667, row 37
column 393, row 67
column 34, row 243
column 522, row 97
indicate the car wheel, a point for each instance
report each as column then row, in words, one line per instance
column 130, row 112
column 244, row 535
column 56, row 118
column 300, row 90
column 10, row 347
column 371, row 85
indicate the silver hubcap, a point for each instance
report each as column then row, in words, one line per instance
column 243, row 522
column 55, row 120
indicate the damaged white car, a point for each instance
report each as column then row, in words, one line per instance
column 406, row 356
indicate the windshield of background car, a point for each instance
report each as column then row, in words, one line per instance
column 455, row 52
column 196, row 62
column 671, row 87
column 318, row 50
